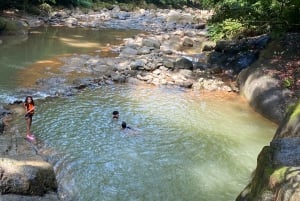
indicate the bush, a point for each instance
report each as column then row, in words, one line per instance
column 228, row 29
column 46, row 8
column 254, row 17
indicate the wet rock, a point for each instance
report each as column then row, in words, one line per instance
column 51, row 82
column 82, row 82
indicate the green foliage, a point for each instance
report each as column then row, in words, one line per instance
column 46, row 8
column 288, row 82
column 256, row 16
column 229, row 28
column 296, row 111
column 34, row 10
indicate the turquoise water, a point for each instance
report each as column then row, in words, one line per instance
column 194, row 148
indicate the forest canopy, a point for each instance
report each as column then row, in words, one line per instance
column 231, row 18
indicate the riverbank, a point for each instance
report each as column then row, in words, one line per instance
column 167, row 55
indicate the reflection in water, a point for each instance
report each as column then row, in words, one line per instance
column 194, row 148
column 47, row 44
column 78, row 43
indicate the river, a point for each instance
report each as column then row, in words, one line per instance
column 185, row 145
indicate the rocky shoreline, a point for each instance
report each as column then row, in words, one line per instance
column 175, row 51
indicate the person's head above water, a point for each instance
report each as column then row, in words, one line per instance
column 123, row 125
column 115, row 115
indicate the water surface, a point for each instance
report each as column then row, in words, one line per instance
column 38, row 53
column 186, row 146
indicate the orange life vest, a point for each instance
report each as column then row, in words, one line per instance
column 29, row 107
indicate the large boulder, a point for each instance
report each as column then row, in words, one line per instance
column 265, row 93
column 277, row 175
column 26, row 177
column 237, row 55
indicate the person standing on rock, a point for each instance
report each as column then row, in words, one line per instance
column 29, row 108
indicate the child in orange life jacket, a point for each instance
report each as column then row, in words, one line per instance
column 29, row 108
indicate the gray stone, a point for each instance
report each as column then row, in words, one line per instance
column 137, row 65
column 26, row 177
column 128, row 51
column 179, row 18
column 263, row 92
column 144, row 50
column 286, row 151
column 184, row 83
column 169, row 64
column 188, row 42
column 151, row 42
column 200, row 26
column 183, row 63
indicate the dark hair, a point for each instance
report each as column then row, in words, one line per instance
column 115, row 112
column 124, row 124
column 26, row 100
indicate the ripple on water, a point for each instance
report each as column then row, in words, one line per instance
column 186, row 147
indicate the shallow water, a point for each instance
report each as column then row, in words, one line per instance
column 186, row 145
column 25, row 59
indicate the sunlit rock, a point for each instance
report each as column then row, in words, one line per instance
column 29, row 177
